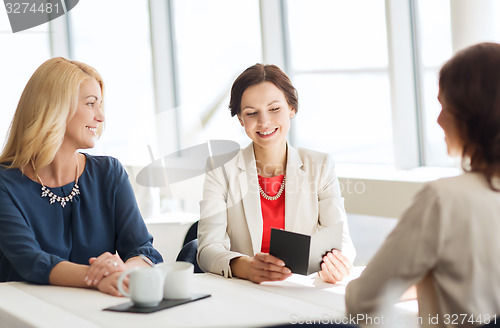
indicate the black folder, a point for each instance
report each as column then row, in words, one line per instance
column 303, row 253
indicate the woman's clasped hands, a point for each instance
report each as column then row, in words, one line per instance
column 104, row 272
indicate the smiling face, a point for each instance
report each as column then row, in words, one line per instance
column 448, row 123
column 81, row 130
column 265, row 115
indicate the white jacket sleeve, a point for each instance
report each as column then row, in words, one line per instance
column 214, row 244
column 331, row 206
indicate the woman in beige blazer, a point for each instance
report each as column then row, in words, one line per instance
column 447, row 241
column 231, row 227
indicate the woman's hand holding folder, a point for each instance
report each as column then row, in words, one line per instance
column 262, row 267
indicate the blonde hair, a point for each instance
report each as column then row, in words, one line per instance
column 47, row 103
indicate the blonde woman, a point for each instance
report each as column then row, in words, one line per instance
column 65, row 215
column 268, row 184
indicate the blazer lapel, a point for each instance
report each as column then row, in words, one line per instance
column 249, row 188
column 295, row 177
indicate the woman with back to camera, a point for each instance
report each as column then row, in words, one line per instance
column 447, row 241
column 268, row 184
column 64, row 215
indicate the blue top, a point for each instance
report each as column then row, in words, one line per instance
column 36, row 235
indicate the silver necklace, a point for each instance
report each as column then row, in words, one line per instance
column 280, row 191
column 46, row 192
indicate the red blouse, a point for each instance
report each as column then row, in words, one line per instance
column 273, row 211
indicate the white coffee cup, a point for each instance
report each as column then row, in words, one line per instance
column 178, row 279
column 145, row 286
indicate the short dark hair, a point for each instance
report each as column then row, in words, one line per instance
column 260, row 73
column 470, row 84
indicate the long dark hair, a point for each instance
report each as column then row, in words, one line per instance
column 259, row 73
column 470, row 84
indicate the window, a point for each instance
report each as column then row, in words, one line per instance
column 435, row 49
column 336, row 54
column 116, row 42
column 445, row 27
column 214, row 42
column 18, row 62
column 339, row 65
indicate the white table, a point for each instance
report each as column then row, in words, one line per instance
column 234, row 303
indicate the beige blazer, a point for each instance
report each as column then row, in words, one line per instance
column 231, row 219
column 447, row 244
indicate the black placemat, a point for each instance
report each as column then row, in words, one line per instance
column 165, row 304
